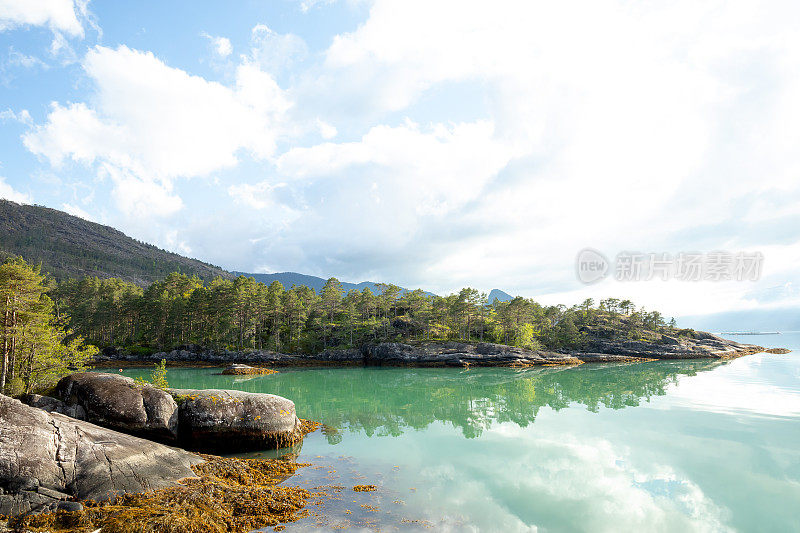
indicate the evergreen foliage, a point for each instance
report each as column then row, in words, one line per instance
column 37, row 348
column 244, row 314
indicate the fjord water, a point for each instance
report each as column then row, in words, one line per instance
column 660, row 446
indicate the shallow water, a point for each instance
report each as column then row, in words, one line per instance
column 660, row 446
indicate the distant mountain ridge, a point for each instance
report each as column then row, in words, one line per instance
column 288, row 279
column 500, row 296
column 69, row 246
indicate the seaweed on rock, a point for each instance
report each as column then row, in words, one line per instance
column 229, row 494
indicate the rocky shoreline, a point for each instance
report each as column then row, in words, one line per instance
column 49, row 461
column 456, row 354
column 106, row 435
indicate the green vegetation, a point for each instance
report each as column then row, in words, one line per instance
column 70, row 247
column 37, row 346
column 115, row 291
column 158, row 377
column 242, row 313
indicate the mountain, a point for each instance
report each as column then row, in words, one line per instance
column 71, row 247
column 499, row 295
column 68, row 246
column 288, row 279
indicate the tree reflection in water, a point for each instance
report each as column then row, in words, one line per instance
column 389, row 401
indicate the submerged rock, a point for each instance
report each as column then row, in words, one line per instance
column 213, row 419
column 120, row 403
column 49, row 458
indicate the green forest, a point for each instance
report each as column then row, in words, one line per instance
column 51, row 327
column 241, row 314
column 38, row 346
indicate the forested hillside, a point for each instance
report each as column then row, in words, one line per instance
column 245, row 314
column 70, row 247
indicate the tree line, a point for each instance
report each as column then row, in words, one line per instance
column 242, row 314
column 37, row 346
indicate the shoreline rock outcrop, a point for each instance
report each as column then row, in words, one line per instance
column 208, row 420
column 462, row 354
column 228, row 420
column 48, row 459
column 596, row 350
column 120, row 403
column 700, row 346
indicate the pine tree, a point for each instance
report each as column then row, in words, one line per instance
column 34, row 347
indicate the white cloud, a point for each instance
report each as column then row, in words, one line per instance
column 76, row 211
column 624, row 122
column 18, row 59
column 138, row 196
column 431, row 169
column 535, row 129
column 149, row 124
column 327, row 131
column 222, row 45
column 9, row 193
column 274, row 51
column 307, row 5
column 23, row 116
column 258, row 196
column 173, row 242
column 58, row 15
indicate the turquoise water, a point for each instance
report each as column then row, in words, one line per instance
column 660, row 446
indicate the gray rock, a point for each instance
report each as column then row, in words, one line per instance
column 53, row 405
column 218, row 420
column 70, row 506
column 76, row 459
column 54, row 494
column 460, row 354
column 20, row 483
column 350, row 355
column 120, row 403
column 607, row 358
column 701, row 346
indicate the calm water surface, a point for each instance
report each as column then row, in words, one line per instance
column 661, row 446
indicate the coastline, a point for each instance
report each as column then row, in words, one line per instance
column 443, row 354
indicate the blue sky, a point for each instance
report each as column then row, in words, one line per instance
column 432, row 144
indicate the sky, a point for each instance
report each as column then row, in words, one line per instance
column 433, row 144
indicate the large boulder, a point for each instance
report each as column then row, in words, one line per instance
column 48, row 458
column 120, row 403
column 213, row 419
column 53, row 405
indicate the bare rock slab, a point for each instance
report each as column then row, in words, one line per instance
column 46, row 458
